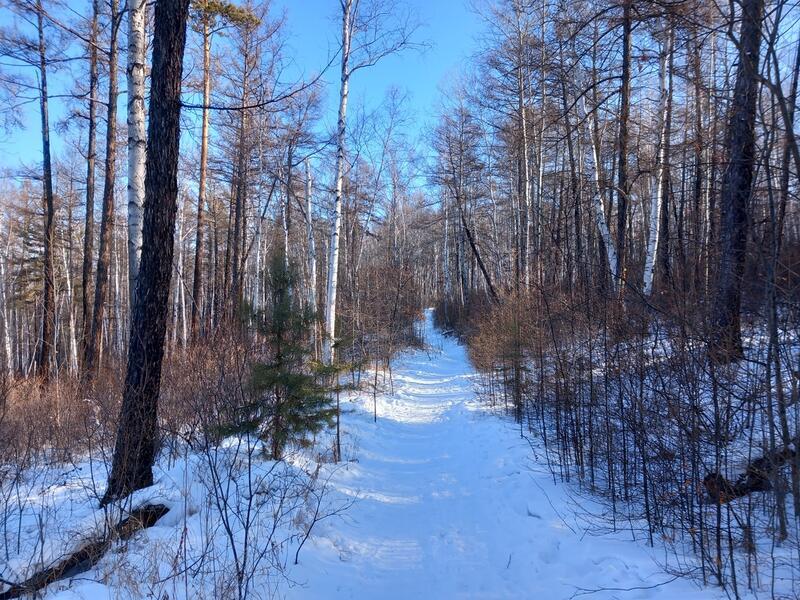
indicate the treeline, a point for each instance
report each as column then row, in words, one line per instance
column 196, row 254
column 257, row 173
column 618, row 242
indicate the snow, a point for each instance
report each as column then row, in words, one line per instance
column 451, row 503
column 447, row 500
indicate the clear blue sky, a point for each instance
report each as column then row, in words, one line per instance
column 448, row 27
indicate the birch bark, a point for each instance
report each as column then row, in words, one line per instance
column 137, row 142
column 336, row 217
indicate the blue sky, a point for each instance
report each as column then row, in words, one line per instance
column 448, row 27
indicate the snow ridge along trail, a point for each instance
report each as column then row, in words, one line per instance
column 449, row 503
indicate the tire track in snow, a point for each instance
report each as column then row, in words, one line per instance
column 451, row 505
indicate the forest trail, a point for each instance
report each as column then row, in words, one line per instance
column 450, row 502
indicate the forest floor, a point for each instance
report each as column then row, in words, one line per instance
column 451, row 502
column 439, row 498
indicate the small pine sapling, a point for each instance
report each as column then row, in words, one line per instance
column 291, row 401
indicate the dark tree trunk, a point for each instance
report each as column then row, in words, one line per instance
column 91, row 156
column 757, row 477
column 622, row 160
column 135, row 449
column 92, row 351
column 737, row 182
column 238, row 222
column 574, row 188
column 47, row 342
column 698, row 168
column 477, row 255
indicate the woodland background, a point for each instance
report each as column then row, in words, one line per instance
column 605, row 210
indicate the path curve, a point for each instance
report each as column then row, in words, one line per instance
column 450, row 503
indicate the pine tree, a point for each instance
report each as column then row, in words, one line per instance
column 291, row 403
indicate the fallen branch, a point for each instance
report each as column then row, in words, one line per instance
column 757, row 477
column 90, row 554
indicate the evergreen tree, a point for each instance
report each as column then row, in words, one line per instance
column 290, row 402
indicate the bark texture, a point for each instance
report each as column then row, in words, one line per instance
column 336, row 218
column 137, row 141
column 91, row 356
column 737, row 185
column 137, row 437
column 48, row 339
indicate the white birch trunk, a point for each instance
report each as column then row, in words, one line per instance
column 72, row 341
column 4, row 316
column 181, row 289
column 526, row 176
column 657, row 196
column 599, row 212
column 311, row 259
column 255, row 292
column 137, row 138
column 336, row 218
column 118, row 328
column 312, row 250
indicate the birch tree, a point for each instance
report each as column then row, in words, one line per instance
column 137, row 144
column 311, row 254
column 371, row 30
column 657, row 202
column 623, row 185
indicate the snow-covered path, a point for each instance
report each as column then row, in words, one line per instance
column 451, row 504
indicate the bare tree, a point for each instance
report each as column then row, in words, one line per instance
column 92, row 349
column 137, row 437
column 371, row 30
column 737, row 187
column 91, row 158
column 137, row 143
column 47, row 344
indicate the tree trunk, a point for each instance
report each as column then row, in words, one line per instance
column 478, row 258
column 135, row 450
column 737, row 183
column 91, row 157
column 311, row 257
column 92, row 350
column 137, row 143
column 623, row 188
column 181, row 333
column 8, row 356
column 659, row 215
column 599, row 211
column 72, row 344
column 523, row 169
column 237, row 239
column 47, row 342
column 287, row 208
column 336, row 218
column 197, row 284
column 662, row 251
